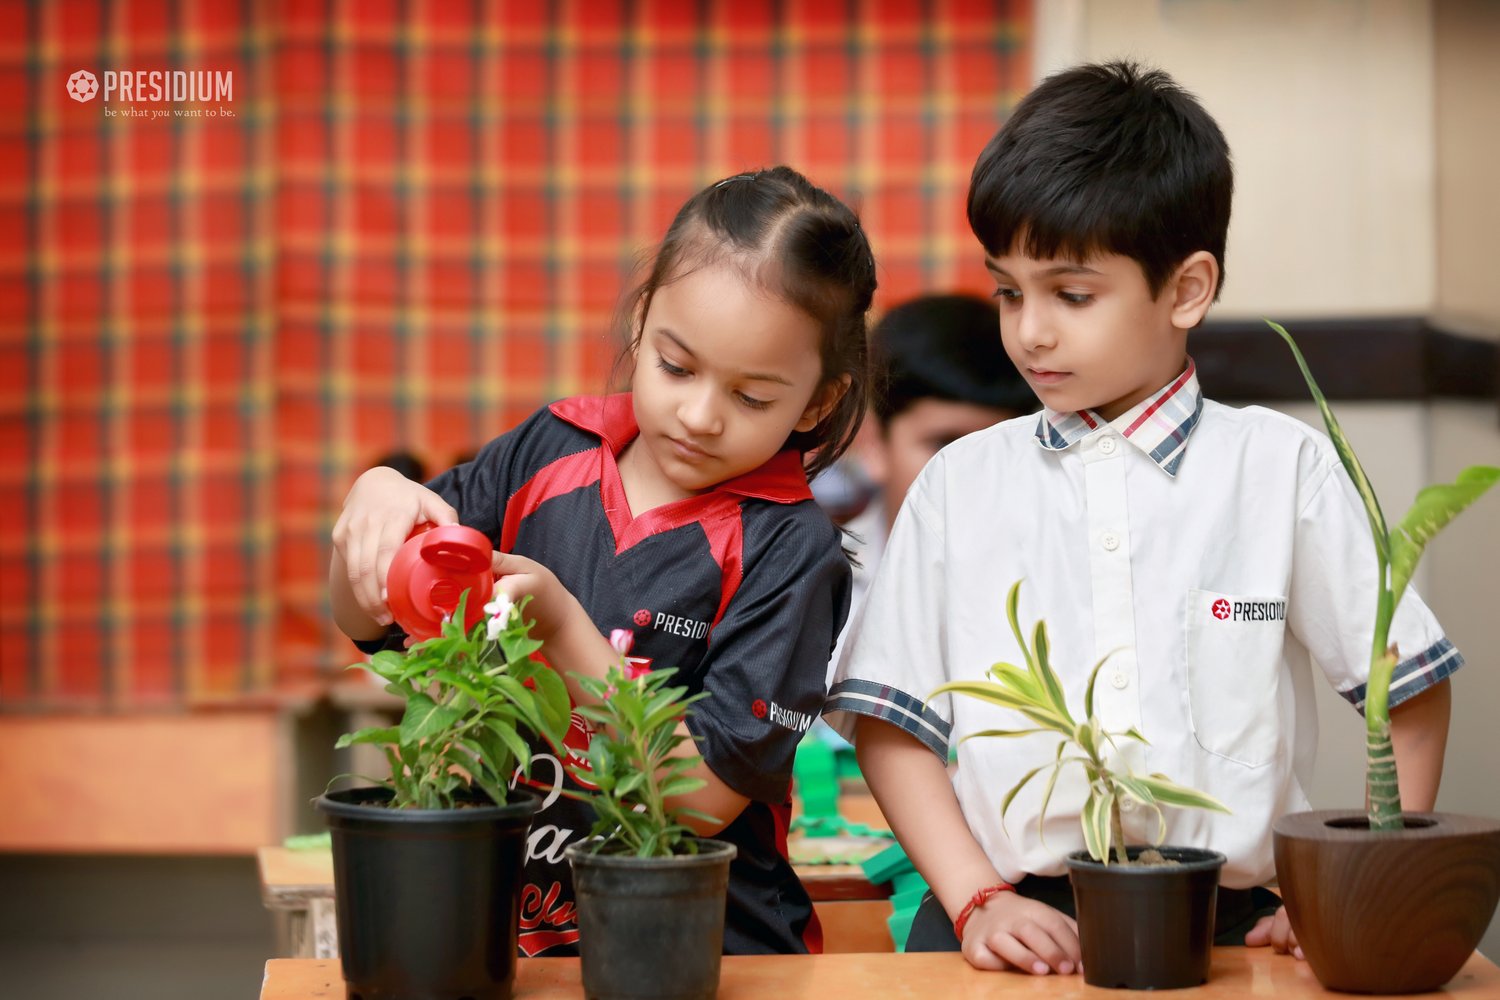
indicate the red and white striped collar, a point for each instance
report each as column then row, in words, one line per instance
column 1158, row 425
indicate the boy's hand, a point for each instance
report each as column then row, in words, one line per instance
column 1013, row 932
column 1276, row 931
column 379, row 512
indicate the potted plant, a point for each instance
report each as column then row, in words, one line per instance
column 651, row 894
column 427, row 864
column 1145, row 914
column 1383, row 901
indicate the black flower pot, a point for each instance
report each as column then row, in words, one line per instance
column 651, row 928
column 427, row 899
column 1146, row 928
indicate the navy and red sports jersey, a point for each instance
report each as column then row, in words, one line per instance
column 742, row 589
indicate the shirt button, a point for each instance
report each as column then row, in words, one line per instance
column 1110, row 541
column 1127, row 804
column 1119, row 679
column 1107, row 445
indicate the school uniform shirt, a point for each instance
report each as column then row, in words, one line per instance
column 742, row 589
column 1215, row 555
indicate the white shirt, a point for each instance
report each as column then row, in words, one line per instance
column 1215, row 554
column 864, row 539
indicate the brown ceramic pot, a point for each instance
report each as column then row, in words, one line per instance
column 1393, row 912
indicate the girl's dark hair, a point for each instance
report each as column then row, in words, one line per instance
column 1111, row 158
column 798, row 242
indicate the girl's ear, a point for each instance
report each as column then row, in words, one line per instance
column 823, row 402
column 1192, row 289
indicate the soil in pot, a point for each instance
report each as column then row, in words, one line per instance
column 1147, row 927
column 651, row 928
column 427, row 899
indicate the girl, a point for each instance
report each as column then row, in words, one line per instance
column 679, row 510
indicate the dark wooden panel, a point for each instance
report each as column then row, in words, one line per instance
column 1396, row 358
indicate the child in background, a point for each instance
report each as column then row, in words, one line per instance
column 940, row 373
column 681, row 511
column 1214, row 554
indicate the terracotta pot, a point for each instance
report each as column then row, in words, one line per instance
column 1395, row 912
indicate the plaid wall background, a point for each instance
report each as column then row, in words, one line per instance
column 412, row 232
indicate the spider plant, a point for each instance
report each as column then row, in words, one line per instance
column 1037, row 694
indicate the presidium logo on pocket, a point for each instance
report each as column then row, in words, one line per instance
column 1249, row 611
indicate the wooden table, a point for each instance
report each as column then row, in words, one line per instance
column 1236, row 973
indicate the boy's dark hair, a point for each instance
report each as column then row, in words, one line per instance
column 1111, row 158
column 408, row 463
column 944, row 347
column 798, row 242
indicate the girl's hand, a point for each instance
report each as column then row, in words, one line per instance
column 1276, row 931
column 379, row 512
column 552, row 605
column 1012, row 932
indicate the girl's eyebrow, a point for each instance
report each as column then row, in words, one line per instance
column 748, row 376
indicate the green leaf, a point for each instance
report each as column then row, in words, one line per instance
column 1166, row 791
column 375, row 734
column 1098, row 848
column 1345, row 450
column 1016, row 789
column 512, row 740
column 995, row 694
column 1003, row 733
column 682, row 786
column 1434, row 507
column 1012, row 609
column 1041, row 813
column 1051, row 686
column 1141, row 793
column 553, row 705
column 425, row 718
column 1103, row 810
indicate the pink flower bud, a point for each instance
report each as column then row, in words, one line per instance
column 622, row 639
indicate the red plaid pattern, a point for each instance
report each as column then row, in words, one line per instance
column 412, row 232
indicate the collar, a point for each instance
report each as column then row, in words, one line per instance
column 1158, row 425
column 612, row 418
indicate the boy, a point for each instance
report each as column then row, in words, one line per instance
column 1219, row 552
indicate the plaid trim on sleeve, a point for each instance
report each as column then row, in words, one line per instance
column 881, row 701
column 1414, row 675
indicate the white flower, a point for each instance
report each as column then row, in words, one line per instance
column 621, row 639
column 499, row 610
column 500, row 607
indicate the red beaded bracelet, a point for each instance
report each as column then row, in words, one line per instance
column 975, row 902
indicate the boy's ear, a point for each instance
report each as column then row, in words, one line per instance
column 823, row 402
column 1192, row 289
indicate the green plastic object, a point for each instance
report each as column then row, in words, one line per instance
column 816, row 772
column 899, row 924
column 309, row 842
column 886, row 865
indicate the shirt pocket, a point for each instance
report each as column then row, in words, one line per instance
column 1233, row 644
